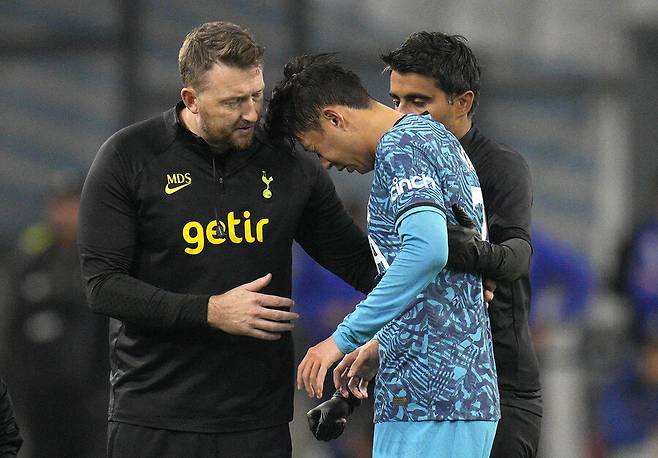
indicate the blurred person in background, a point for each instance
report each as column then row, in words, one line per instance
column 639, row 270
column 56, row 352
column 186, row 232
column 557, row 264
column 628, row 406
column 563, row 283
column 10, row 437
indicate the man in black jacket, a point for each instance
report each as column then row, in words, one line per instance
column 439, row 74
column 186, row 228
column 10, row 437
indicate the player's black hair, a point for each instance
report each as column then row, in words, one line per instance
column 311, row 83
column 445, row 58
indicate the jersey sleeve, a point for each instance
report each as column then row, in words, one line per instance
column 332, row 238
column 107, row 241
column 423, row 253
column 411, row 176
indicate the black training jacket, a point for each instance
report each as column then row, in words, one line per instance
column 10, row 437
column 151, row 257
column 507, row 190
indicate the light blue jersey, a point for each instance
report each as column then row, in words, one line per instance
column 436, row 358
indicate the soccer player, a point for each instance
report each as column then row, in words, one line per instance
column 186, row 228
column 438, row 73
column 436, row 394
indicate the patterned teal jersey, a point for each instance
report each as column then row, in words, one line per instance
column 436, row 358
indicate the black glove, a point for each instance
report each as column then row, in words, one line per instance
column 327, row 421
column 464, row 243
column 467, row 252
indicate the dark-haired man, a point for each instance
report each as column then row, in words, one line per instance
column 438, row 73
column 186, row 228
column 436, row 393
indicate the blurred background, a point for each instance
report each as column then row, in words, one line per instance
column 571, row 84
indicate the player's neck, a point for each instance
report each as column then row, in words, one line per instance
column 377, row 120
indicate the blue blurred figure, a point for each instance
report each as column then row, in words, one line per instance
column 641, row 274
column 628, row 414
column 556, row 263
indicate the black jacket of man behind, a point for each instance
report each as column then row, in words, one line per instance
column 10, row 437
column 507, row 191
column 152, row 255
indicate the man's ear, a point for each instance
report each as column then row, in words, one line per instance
column 334, row 116
column 464, row 102
column 190, row 99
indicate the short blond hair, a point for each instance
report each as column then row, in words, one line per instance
column 216, row 43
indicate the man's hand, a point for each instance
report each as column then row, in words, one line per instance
column 464, row 242
column 327, row 421
column 357, row 369
column 489, row 289
column 465, row 247
column 313, row 368
column 246, row 312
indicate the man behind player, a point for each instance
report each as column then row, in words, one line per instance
column 437, row 388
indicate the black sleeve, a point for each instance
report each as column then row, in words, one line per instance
column 508, row 201
column 10, row 437
column 331, row 237
column 506, row 261
column 107, row 240
column 507, row 196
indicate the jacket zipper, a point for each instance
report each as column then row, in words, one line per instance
column 218, row 181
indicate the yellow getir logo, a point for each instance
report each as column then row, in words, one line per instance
column 177, row 181
column 237, row 231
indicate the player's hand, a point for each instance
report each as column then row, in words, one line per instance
column 357, row 369
column 327, row 421
column 464, row 242
column 313, row 368
column 244, row 311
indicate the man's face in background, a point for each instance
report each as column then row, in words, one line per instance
column 416, row 93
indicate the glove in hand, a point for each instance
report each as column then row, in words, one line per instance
column 327, row 421
column 464, row 243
